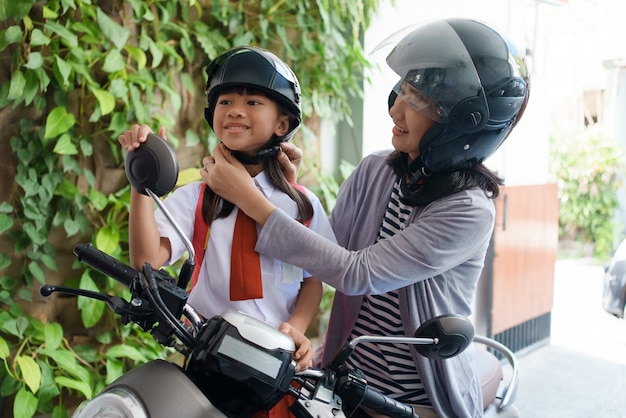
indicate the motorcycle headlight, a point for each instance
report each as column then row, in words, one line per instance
column 116, row 403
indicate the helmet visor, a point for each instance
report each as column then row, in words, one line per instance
column 434, row 67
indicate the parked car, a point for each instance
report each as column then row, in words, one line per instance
column 614, row 286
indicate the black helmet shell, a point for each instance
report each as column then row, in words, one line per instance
column 259, row 69
column 470, row 79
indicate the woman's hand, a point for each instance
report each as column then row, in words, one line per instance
column 304, row 349
column 290, row 159
column 228, row 178
column 132, row 138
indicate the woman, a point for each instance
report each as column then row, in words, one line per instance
column 413, row 225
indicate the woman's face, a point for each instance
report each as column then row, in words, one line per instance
column 410, row 125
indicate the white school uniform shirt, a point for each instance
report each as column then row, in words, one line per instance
column 211, row 295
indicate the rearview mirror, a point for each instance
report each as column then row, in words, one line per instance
column 152, row 166
column 454, row 332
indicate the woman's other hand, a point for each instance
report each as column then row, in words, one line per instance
column 290, row 159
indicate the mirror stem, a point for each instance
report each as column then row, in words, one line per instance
column 187, row 270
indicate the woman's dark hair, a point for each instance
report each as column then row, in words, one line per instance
column 213, row 206
column 439, row 185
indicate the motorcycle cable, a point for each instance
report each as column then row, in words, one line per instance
column 149, row 281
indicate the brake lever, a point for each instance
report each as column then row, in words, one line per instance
column 118, row 305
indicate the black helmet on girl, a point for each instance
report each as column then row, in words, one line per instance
column 470, row 79
column 258, row 69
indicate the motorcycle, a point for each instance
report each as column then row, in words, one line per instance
column 236, row 365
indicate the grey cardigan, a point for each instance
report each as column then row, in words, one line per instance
column 435, row 262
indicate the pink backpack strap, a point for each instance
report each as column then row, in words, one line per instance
column 301, row 188
column 200, row 238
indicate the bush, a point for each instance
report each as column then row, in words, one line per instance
column 587, row 167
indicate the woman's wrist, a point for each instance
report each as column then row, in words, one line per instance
column 258, row 208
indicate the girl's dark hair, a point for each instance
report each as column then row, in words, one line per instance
column 213, row 206
column 439, row 185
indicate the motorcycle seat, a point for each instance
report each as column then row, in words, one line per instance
column 490, row 374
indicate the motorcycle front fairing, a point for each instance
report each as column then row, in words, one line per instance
column 157, row 389
column 242, row 364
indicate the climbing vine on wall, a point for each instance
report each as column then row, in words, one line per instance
column 73, row 75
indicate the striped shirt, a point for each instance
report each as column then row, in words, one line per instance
column 389, row 368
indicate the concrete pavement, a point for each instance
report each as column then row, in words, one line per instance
column 581, row 372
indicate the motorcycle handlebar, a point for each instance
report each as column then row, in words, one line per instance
column 386, row 405
column 105, row 264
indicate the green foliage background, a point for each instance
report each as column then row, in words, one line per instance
column 588, row 167
column 73, row 75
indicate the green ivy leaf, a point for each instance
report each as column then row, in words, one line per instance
column 49, row 13
column 6, row 282
column 59, row 412
column 116, row 33
column 115, row 368
column 9, row 387
column 53, row 333
column 108, row 239
column 157, row 54
column 90, row 310
column 30, row 372
column 71, row 226
column 37, row 272
column 35, row 60
column 13, row 34
column 65, row 146
column 58, row 122
column 6, row 222
column 67, row 35
column 126, row 351
column 25, row 404
column 138, row 55
column 49, row 262
column 37, row 38
column 78, row 385
column 5, row 261
column 35, row 234
column 16, row 88
column 33, row 84
column 97, row 199
column 64, row 70
column 105, row 100
column 4, row 349
column 113, row 62
column 6, row 207
column 25, row 295
column 66, row 189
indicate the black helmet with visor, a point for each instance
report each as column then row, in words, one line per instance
column 257, row 69
column 470, row 79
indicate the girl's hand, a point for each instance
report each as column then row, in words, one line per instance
column 133, row 137
column 304, row 349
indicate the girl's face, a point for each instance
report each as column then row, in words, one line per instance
column 246, row 122
column 410, row 125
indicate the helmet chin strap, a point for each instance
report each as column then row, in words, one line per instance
column 268, row 152
column 415, row 173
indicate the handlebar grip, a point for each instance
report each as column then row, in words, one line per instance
column 386, row 405
column 105, row 264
